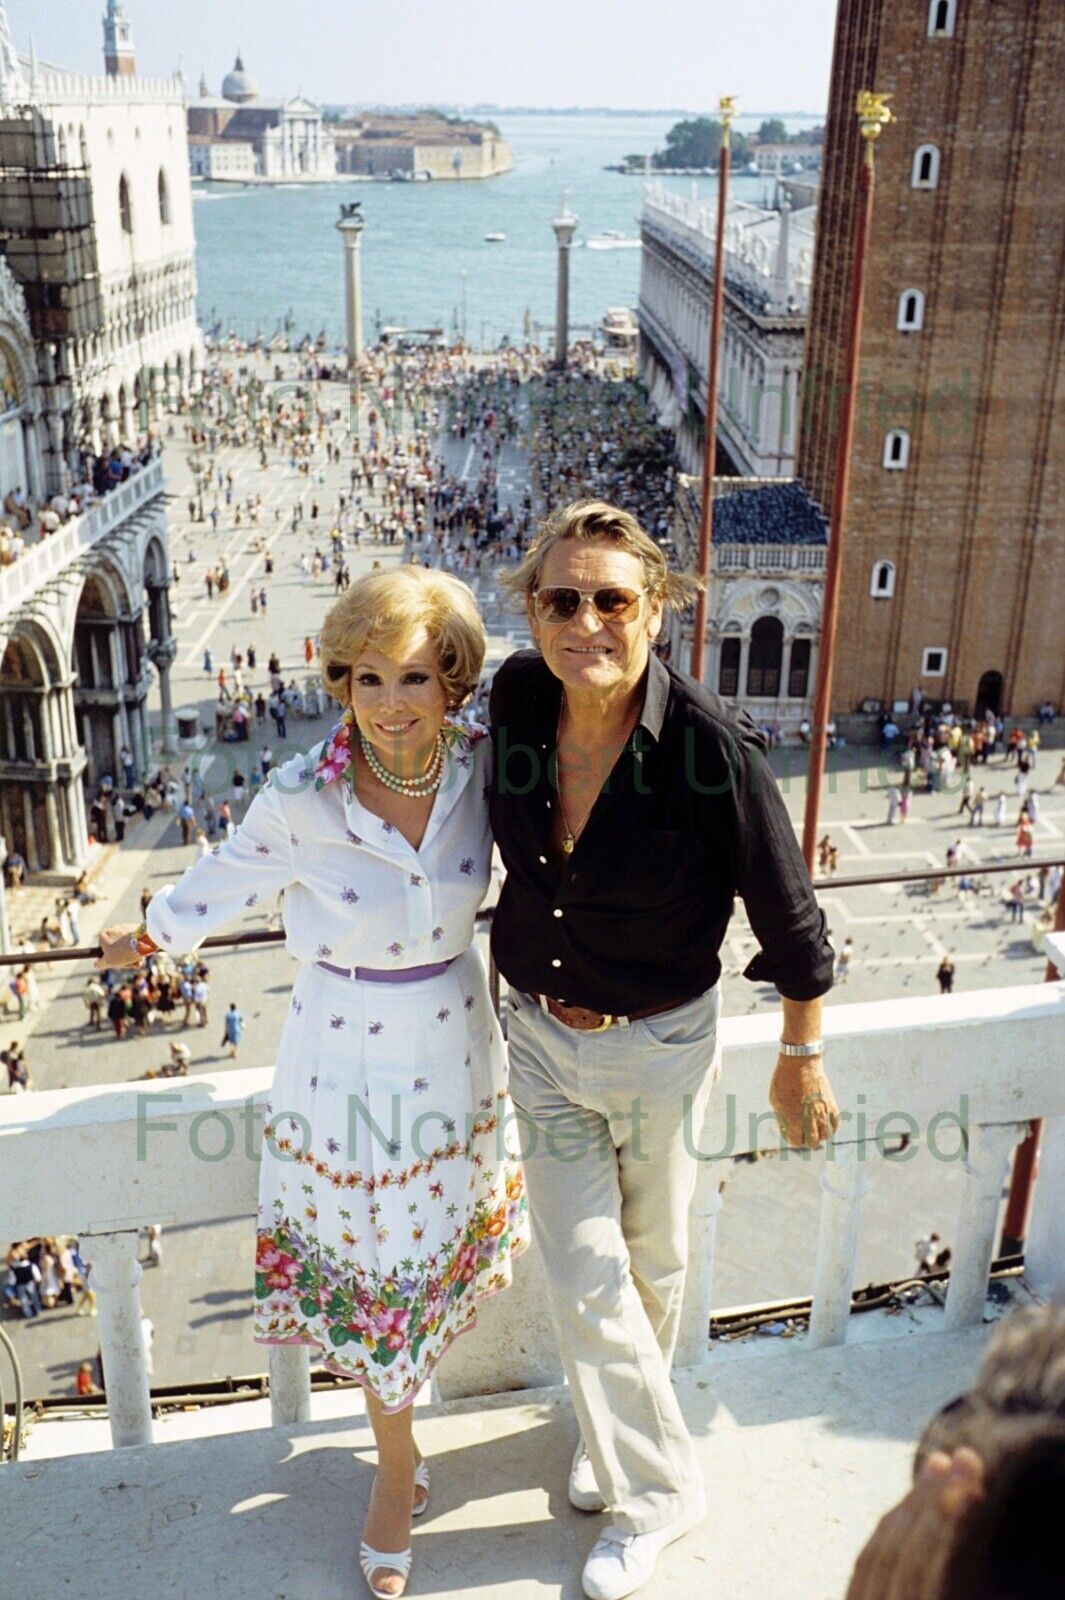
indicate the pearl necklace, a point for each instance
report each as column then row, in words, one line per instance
column 414, row 788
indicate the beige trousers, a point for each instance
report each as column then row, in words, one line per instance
column 608, row 1122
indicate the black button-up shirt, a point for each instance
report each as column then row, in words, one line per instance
column 689, row 817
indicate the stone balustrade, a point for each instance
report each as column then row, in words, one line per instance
column 963, row 1073
column 57, row 551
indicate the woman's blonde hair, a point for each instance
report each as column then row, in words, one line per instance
column 383, row 610
column 597, row 522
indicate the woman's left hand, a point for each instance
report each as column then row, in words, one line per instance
column 118, row 948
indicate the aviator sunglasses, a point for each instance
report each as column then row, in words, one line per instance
column 614, row 603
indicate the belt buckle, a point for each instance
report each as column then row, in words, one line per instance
column 601, row 1027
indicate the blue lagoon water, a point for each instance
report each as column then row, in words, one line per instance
column 266, row 252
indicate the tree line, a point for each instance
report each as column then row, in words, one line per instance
column 696, row 142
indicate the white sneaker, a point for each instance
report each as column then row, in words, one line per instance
column 583, row 1490
column 622, row 1562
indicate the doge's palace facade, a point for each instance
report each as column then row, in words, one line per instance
column 98, row 339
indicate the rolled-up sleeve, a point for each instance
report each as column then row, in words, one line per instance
column 772, row 880
column 241, row 873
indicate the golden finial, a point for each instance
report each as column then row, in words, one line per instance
column 726, row 110
column 873, row 116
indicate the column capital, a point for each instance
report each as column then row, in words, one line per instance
column 162, row 652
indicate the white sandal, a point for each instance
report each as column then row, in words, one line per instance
column 372, row 1561
column 421, row 1481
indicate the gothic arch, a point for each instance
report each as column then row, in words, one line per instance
column 155, row 570
column 31, row 656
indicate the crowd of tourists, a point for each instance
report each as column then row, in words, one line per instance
column 24, row 521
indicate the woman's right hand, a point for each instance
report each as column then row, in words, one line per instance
column 118, row 948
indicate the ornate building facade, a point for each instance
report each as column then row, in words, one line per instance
column 763, row 622
column 953, row 570
column 240, row 135
column 97, row 336
column 97, row 228
column 767, row 572
column 768, row 265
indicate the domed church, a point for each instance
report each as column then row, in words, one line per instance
column 239, row 136
column 239, row 85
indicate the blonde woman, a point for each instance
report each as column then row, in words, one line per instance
column 386, row 1210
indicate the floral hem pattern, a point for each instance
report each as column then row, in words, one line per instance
column 388, row 1332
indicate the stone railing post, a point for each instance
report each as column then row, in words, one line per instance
column 986, row 1167
column 114, row 1278
column 693, row 1346
column 844, row 1185
column 290, row 1384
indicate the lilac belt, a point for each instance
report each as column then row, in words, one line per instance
column 389, row 975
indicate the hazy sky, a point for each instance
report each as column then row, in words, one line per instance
column 640, row 53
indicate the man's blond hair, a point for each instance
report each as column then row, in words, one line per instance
column 597, row 522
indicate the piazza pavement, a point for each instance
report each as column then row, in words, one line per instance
column 199, row 1299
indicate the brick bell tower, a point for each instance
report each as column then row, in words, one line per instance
column 118, row 42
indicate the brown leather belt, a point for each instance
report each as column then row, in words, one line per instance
column 586, row 1021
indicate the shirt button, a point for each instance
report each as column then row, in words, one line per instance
column 556, row 962
column 557, row 912
column 543, row 861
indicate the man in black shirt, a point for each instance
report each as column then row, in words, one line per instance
column 630, row 808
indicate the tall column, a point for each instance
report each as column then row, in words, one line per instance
column 5, row 929
column 161, row 653
column 565, row 226
column 56, row 851
column 33, row 861
column 142, row 747
column 745, row 651
column 350, row 229
column 73, row 796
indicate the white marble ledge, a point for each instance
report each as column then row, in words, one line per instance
column 801, row 1457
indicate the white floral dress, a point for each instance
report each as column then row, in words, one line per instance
column 389, row 1197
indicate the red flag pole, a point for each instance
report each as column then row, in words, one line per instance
column 873, row 114
column 1026, row 1160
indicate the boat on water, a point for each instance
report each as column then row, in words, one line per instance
column 495, row 238
column 620, row 330
column 612, row 239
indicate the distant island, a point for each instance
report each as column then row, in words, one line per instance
column 421, row 144
column 694, row 144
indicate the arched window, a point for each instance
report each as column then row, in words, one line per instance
column 728, row 673
column 164, row 199
column 911, row 311
column 925, row 173
column 799, row 669
column 882, row 586
column 941, row 18
column 897, row 450
column 765, row 658
column 125, row 206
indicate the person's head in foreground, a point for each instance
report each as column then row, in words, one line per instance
column 401, row 651
column 989, row 1483
column 595, row 586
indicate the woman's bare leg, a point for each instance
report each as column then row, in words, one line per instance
column 388, row 1519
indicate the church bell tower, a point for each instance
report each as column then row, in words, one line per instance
column 118, row 42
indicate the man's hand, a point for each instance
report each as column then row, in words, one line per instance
column 907, row 1555
column 802, row 1099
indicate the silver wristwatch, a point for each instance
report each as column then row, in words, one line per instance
column 814, row 1048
